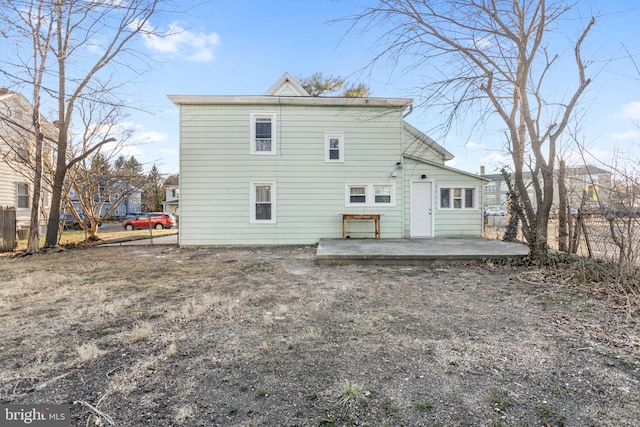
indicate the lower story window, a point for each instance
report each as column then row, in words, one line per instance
column 370, row 195
column 263, row 202
column 357, row 194
column 457, row 198
column 23, row 195
column 382, row 194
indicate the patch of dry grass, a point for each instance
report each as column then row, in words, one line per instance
column 209, row 305
column 229, row 336
column 183, row 413
column 88, row 352
column 141, row 332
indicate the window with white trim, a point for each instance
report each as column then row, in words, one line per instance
column 21, row 152
column 457, row 198
column 23, row 195
column 370, row 194
column 334, row 147
column 263, row 133
column 263, row 202
column 357, row 195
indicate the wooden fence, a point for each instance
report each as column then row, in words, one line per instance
column 7, row 228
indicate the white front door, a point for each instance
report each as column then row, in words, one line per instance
column 421, row 209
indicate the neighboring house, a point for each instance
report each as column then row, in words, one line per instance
column 132, row 203
column 592, row 181
column 284, row 167
column 17, row 147
column 172, row 200
column 495, row 191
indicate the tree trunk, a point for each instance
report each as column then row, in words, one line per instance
column 539, row 247
column 61, row 155
column 33, row 241
column 513, row 210
column 57, row 187
column 563, row 225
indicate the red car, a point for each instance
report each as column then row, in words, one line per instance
column 157, row 220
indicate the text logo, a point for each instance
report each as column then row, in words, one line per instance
column 39, row 415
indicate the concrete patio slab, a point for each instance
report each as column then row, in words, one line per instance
column 416, row 251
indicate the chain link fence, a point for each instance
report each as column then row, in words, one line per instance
column 612, row 238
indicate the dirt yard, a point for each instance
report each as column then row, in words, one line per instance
column 161, row 336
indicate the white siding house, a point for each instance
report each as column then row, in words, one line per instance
column 17, row 147
column 282, row 168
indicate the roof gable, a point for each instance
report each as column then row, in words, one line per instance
column 286, row 86
column 422, row 145
column 448, row 168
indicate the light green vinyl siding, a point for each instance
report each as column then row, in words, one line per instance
column 216, row 169
column 446, row 222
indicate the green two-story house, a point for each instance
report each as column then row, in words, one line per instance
column 286, row 167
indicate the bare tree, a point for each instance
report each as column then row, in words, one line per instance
column 29, row 139
column 100, row 185
column 494, row 58
column 319, row 85
column 75, row 67
column 620, row 210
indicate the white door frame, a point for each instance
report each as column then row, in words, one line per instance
column 428, row 215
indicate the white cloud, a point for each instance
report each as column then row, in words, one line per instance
column 130, row 150
column 631, row 110
column 149, row 136
column 179, row 41
column 630, row 134
column 495, row 160
column 95, row 46
column 169, row 151
column 132, row 139
column 471, row 144
column 116, row 149
column 482, row 42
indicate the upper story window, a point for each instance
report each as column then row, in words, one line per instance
column 457, row 198
column 334, row 147
column 370, row 195
column 263, row 133
column 22, row 154
column 23, row 195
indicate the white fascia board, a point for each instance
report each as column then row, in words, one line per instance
column 288, row 100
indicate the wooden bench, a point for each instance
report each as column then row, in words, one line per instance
column 357, row 217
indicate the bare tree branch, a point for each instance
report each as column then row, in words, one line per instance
column 494, row 56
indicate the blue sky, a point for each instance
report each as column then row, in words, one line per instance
column 242, row 47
